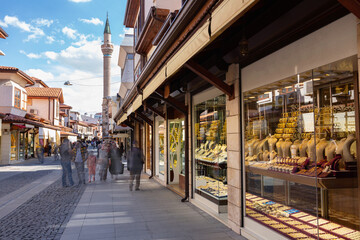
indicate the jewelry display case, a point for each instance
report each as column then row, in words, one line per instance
column 301, row 153
column 211, row 150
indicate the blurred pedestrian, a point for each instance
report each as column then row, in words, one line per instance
column 66, row 156
column 116, row 167
column 135, row 163
column 40, row 151
column 103, row 159
column 79, row 157
column 91, row 160
column 121, row 149
column 49, row 150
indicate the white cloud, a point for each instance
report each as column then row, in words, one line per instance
column 43, row 22
column 82, row 65
column 69, row 32
column 51, row 55
column 49, row 39
column 95, row 21
column 31, row 55
column 79, row 1
column 61, row 42
column 26, row 27
column 40, row 74
column 126, row 31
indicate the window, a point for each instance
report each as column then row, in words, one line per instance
column 24, row 101
column 17, row 98
column 56, row 110
column 130, row 56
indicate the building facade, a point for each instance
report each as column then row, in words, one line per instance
column 253, row 109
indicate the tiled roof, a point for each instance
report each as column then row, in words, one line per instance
column 45, row 92
column 85, row 124
column 11, row 118
column 40, row 82
column 62, row 133
column 3, row 34
column 65, row 106
column 19, row 72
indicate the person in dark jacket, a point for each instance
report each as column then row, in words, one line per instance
column 135, row 163
column 116, row 166
column 66, row 156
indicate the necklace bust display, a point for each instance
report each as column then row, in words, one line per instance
column 347, row 156
column 294, row 149
column 320, row 149
column 279, row 147
column 303, row 148
column 285, row 148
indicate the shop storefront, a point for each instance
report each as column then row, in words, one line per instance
column 299, row 138
column 210, row 154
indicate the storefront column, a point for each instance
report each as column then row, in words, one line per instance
column 5, row 144
column 233, row 150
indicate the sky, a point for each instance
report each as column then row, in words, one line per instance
column 60, row 40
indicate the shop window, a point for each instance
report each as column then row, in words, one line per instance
column 211, row 149
column 14, row 145
column 300, row 154
column 17, row 98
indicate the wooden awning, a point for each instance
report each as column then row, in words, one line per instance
column 153, row 24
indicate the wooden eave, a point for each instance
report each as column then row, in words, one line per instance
column 3, row 34
column 132, row 8
column 153, row 24
column 23, row 75
column 164, row 27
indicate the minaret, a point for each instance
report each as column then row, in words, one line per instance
column 107, row 49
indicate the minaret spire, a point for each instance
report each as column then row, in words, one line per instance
column 107, row 49
column 107, row 25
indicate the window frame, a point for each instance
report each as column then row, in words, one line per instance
column 17, row 98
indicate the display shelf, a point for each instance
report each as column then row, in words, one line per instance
column 212, row 198
column 327, row 183
column 298, row 224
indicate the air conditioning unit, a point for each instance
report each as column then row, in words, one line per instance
column 34, row 111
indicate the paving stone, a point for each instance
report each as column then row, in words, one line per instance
column 43, row 216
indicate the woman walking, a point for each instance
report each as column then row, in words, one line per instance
column 66, row 155
column 103, row 160
column 91, row 161
column 79, row 158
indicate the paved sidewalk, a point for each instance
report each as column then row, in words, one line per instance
column 110, row 211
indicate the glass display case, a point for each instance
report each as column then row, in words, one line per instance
column 300, row 154
column 211, row 149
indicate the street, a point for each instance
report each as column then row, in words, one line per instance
column 34, row 205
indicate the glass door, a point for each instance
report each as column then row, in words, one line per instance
column 176, row 163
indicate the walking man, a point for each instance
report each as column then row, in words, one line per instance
column 79, row 158
column 66, row 155
column 135, row 163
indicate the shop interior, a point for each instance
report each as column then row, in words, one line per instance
column 301, row 153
